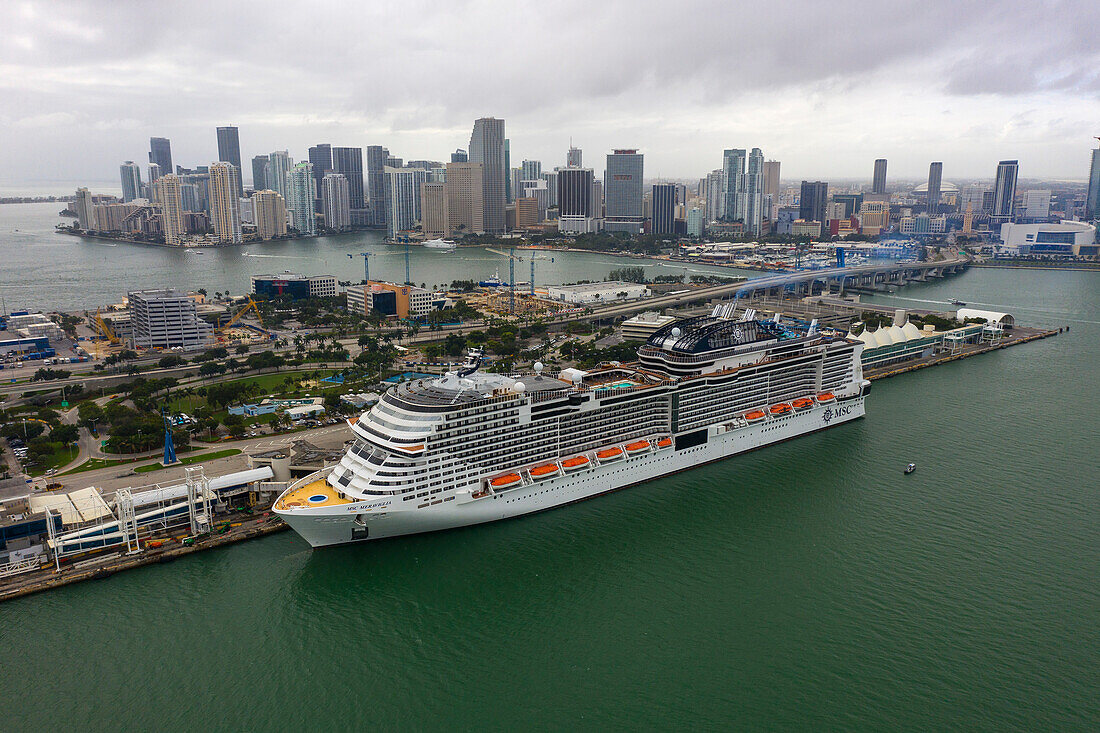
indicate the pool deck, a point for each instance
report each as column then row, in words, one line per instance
column 313, row 494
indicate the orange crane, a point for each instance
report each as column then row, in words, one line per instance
column 250, row 306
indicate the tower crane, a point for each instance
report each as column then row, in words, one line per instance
column 513, row 258
column 366, row 265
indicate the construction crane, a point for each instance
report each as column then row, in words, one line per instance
column 512, row 259
column 106, row 334
column 250, row 306
column 366, row 265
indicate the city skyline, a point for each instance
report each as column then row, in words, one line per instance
column 87, row 87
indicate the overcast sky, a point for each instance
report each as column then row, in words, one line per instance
column 824, row 87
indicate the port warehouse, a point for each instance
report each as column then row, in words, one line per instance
column 64, row 526
column 27, row 349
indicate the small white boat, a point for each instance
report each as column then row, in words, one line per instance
column 441, row 244
column 910, row 468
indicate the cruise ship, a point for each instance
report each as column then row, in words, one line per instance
column 472, row 446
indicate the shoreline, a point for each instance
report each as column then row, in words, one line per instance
column 204, row 245
column 1059, row 267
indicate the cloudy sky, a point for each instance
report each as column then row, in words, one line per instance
column 823, row 87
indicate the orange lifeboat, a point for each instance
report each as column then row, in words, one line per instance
column 575, row 463
column 506, row 481
column 755, row 415
column 826, row 397
column 781, row 409
column 637, row 446
column 546, row 470
column 664, row 443
column 802, row 403
column 610, row 454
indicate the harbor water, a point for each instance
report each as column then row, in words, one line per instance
column 809, row 585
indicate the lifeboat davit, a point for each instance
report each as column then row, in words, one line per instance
column 506, row 481
column 637, row 446
column 826, row 397
column 755, row 415
column 610, row 454
column 781, row 409
column 546, row 470
column 664, row 443
column 575, row 463
column 802, row 403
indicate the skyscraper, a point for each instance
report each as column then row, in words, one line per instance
column 259, row 178
column 1004, row 191
column 85, row 209
column 403, row 198
column 573, row 157
column 812, row 200
column 487, row 147
column 160, row 152
column 575, row 192
column 531, row 170
column 733, row 167
column 460, row 156
column 167, row 197
column 878, row 185
column 336, row 201
column 771, row 180
column 299, row 202
column 623, row 191
column 376, row 183
column 225, row 203
column 551, row 178
column 154, row 173
column 695, row 222
column 278, row 165
column 349, row 163
column 509, row 192
column 716, row 196
column 751, row 196
column 269, row 213
column 663, row 201
column 463, row 190
column 433, row 208
column 320, row 156
column 131, row 181
column 935, row 179
column 1092, row 197
column 229, row 146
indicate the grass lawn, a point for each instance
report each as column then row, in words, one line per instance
column 93, row 463
column 60, row 458
column 188, row 460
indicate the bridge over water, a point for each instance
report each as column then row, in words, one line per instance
column 863, row 277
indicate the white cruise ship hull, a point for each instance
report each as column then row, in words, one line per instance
column 391, row 517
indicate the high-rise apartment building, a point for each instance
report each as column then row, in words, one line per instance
column 573, row 157
column 336, row 201
column 433, row 208
column 460, row 156
column 160, row 152
column 874, row 217
column 509, row 191
column 812, row 200
column 695, row 222
column 154, row 173
column 1004, row 191
column 85, row 208
column 229, row 151
column 531, row 170
column 167, row 197
column 751, row 193
column 299, row 200
column 538, row 191
column 269, row 213
column 1092, row 196
column 131, row 181
column 463, row 191
column 716, row 196
column 349, row 163
column 663, row 203
column 878, row 185
column 575, row 192
column 278, row 165
column 623, row 191
column 225, row 204
column 551, row 178
column 771, row 181
column 376, row 183
column 733, row 168
column 487, row 148
column 259, row 173
column 935, row 180
column 1036, row 204
column 320, row 156
column 403, row 198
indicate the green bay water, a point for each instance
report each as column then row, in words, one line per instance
column 42, row 269
column 808, row 585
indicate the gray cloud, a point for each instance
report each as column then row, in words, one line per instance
column 823, row 86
